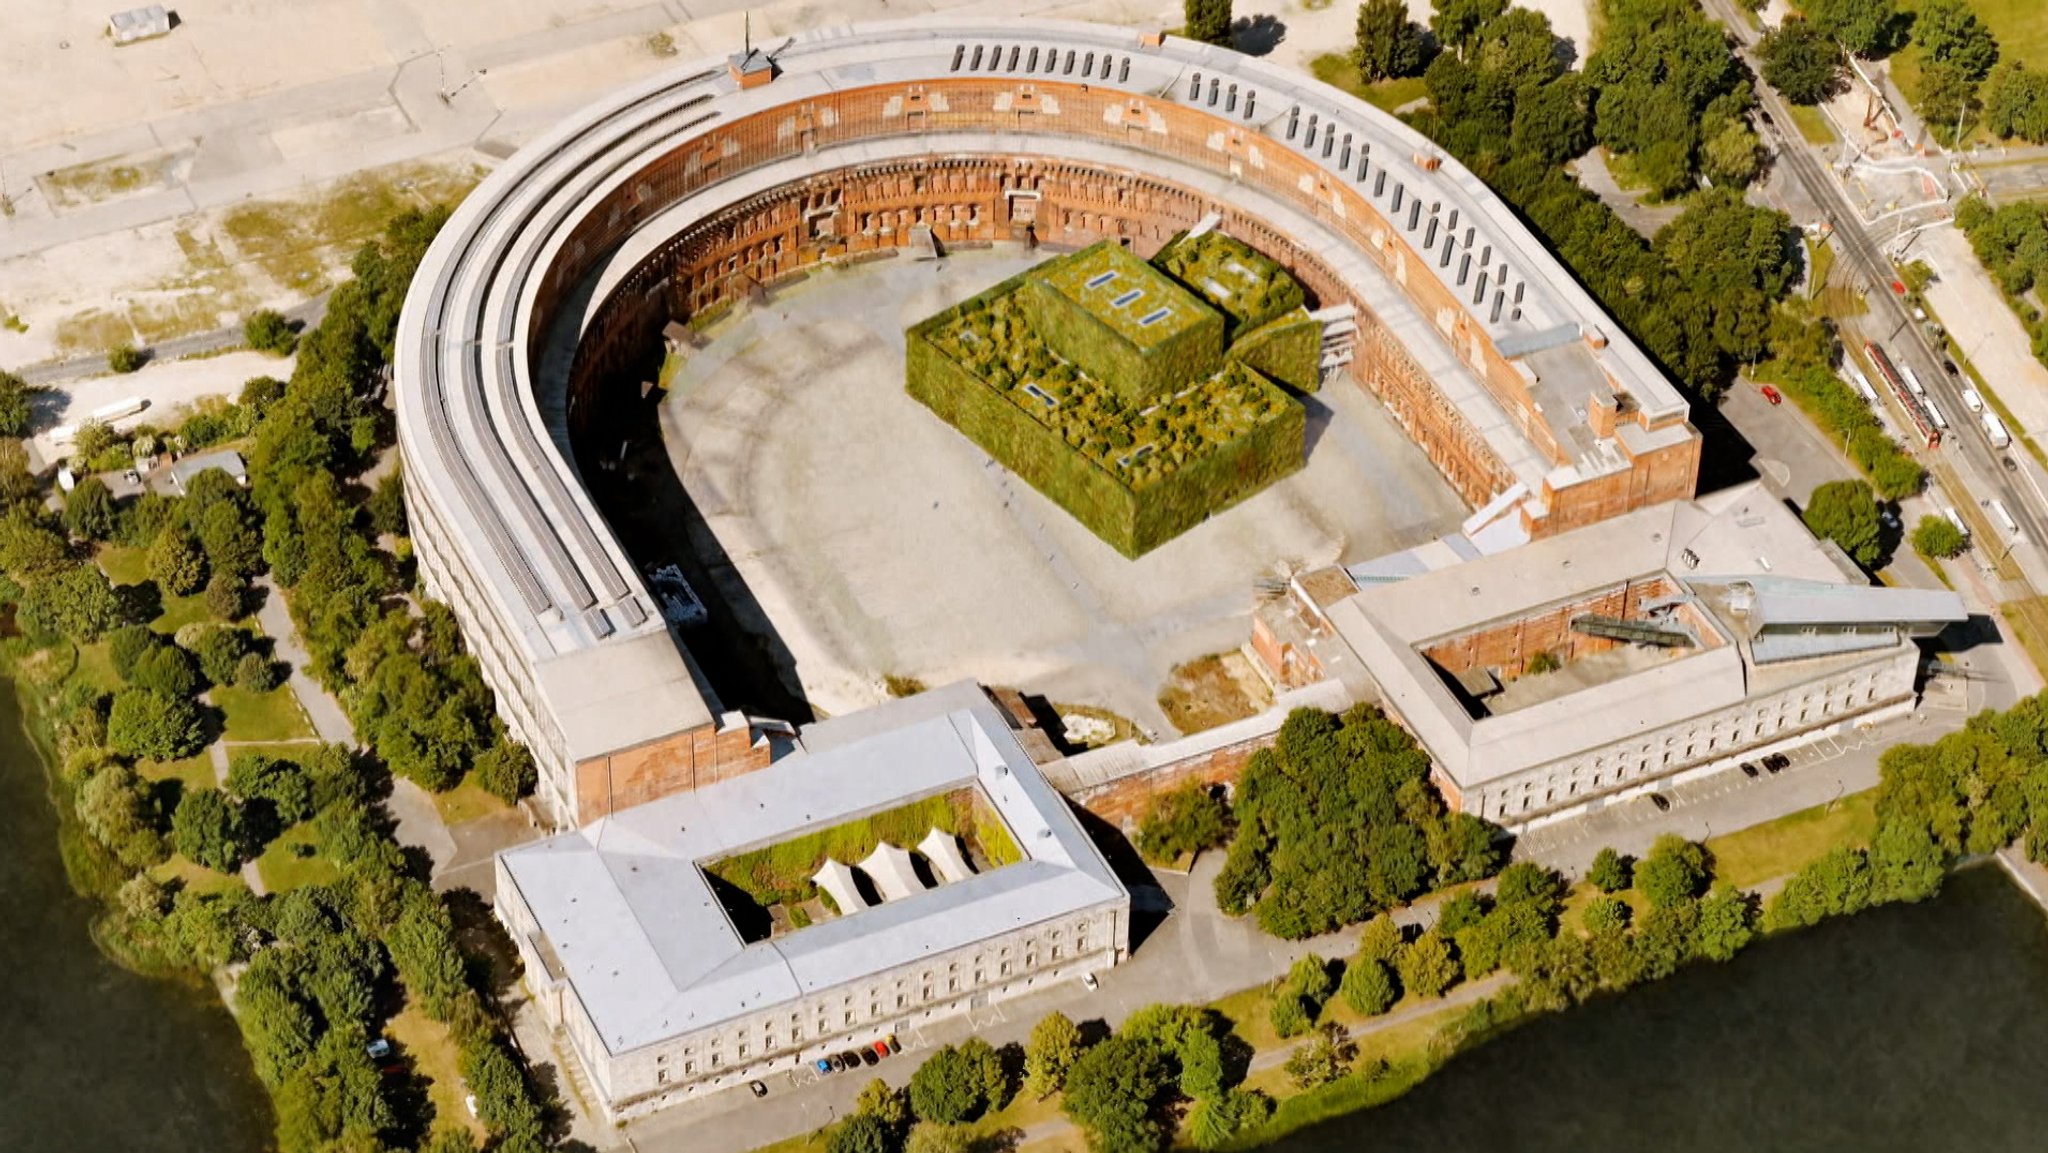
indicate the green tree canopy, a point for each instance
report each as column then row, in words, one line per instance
column 1427, row 965
column 1113, row 1092
column 1611, row 872
column 207, row 828
column 1865, row 27
column 90, row 510
column 1845, row 511
column 1389, row 44
column 177, row 564
column 14, row 405
column 1208, row 21
column 1185, row 820
column 1054, row 1046
column 1802, row 62
column 1937, row 536
column 1675, row 870
column 145, row 723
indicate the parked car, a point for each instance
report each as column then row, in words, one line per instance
column 881, row 1048
column 850, row 1058
column 838, row 1061
column 868, row 1056
column 1749, row 769
column 1662, row 802
column 822, row 1065
column 1089, row 980
column 889, row 1045
column 759, row 1089
column 1776, row 761
column 1773, row 395
column 378, row 1049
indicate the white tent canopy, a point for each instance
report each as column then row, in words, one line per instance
column 837, row 881
column 942, row 849
column 890, row 869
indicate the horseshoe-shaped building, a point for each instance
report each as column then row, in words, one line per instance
column 539, row 311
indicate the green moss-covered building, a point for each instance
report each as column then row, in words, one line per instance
column 1140, row 397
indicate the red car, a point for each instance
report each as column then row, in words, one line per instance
column 1773, row 395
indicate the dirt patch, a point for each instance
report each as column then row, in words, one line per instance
column 1211, row 691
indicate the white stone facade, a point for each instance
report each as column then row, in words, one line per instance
column 1884, row 681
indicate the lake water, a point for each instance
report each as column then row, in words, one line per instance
column 92, row 1057
column 1912, row 1029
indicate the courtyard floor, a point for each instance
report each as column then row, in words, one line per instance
column 880, row 542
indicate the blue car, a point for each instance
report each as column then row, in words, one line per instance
column 823, row 1065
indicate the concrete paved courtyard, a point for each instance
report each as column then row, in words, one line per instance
column 881, row 542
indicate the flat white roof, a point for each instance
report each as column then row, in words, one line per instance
column 650, row 952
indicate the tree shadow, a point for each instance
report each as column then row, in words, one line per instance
column 140, row 603
column 492, row 959
column 1257, row 35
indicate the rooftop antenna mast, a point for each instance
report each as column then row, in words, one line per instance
column 747, row 33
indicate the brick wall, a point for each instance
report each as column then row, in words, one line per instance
column 1123, row 802
column 687, row 760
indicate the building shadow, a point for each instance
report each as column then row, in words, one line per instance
column 1150, row 904
column 737, row 648
column 1726, row 456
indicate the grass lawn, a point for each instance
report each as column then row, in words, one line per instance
column 196, row 772
column 195, row 876
column 96, row 667
column 1813, row 124
column 271, row 716
column 130, row 566
column 466, row 802
column 282, row 869
column 1336, row 69
column 427, row 1044
column 1788, row 844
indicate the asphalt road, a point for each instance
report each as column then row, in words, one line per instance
column 1888, row 322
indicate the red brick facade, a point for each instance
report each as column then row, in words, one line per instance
column 688, row 760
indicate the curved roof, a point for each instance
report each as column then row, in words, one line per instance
column 481, row 413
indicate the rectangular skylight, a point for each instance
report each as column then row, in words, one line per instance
column 1050, row 400
column 1128, row 297
column 1154, row 317
column 1101, row 278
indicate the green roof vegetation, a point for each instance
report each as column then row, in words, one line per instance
column 780, row 874
column 1238, row 280
column 1140, row 445
column 1126, row 294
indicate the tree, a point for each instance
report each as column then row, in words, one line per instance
column 1389, row 45
column 207, row 829
column 1802, row 62
column 1427, row 966
column 1186, row 820
column 1528, row 883
column 506, row 771
column 1866, row 27
column 860, row 1133
column 2016, row 103
column 1380, row 940
column 1552, row 122
column 1736, row 262
column 1937, row 536
column 218, row 648
column 1208, row 21
column 1606, row 915
column 1054, row 1046
column 177, row 564
column 1727, row 923
column 14, row 405
column 149, row 724
column 1949, row 33
column 231, row 545
column 166, row 669
column 75, row 602
column 285, row 784
column 1674, row 871
column 267, row 330
column 387, row 505
column 259, row 674
column 1845, row 511
column 115, row 806
column 1732, row 155
column 1219, row 1118
column 949, row 1087
column 17, row 480
column 125, row 358
column 504, row 1102
column 1611, row 872
column 90, row 510
column 1113, row 1092
column 1948, row 99
column 1368, row 987
column 1458, row 23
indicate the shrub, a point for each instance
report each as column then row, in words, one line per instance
column 1611, row 872
column 1675, row 871
column 1427, row 966
column 227, row 597
column 505, row 770
column 1368, row 987
column 177, row 564
column 126, row 358
column 258, row 673
column 1937, row 537
column 167, row 669
column 267, row 330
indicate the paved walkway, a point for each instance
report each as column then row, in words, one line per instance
column 322, row 709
